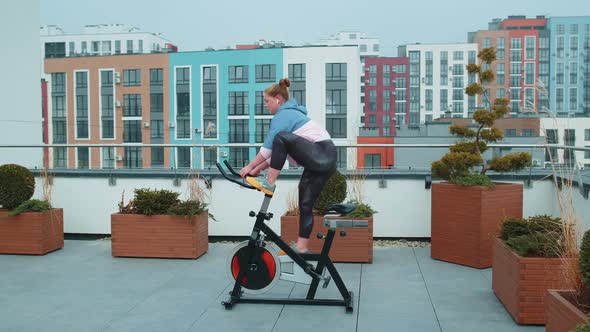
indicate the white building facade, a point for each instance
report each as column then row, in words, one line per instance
column 567, row 131
column 438, row 77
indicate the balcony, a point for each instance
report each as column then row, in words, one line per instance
column 82, row 287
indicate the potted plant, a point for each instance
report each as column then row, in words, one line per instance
column 356, row 246
column 26, row 226
column 157, row 224
column 526, row 263
column 568, row 309
column 466, row 208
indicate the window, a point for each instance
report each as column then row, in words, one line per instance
column 573, row 100
column 336, row 127
column 336, row 71
column 372, row 160
column 297, row 72
column 336, row 101
column 238, row 74
column 265, row 73
column 529, row 71
column 210, row 157
column 262, row 128
column 157, row 128
column 156, row 102
column 133, row 158
column 132, row 77
column 259, row 103
column 341, row 157
column 527, row 132
column 587, row 134
column 238, row 131
column 83, row 157
column 132, row 105
column 108, row 157
column 239, row 157
column 183, row 156
column 130, row 46
column 60, row 157
column 238, row 103
column 510, row 132
column 458, row 55
column 132, row 131
column 529, row 48
column 157, row 156
column 551, row 153
column 183, row 76
column 156, row 76
column 400, row 69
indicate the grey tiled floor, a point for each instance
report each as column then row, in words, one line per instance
column 83, row 288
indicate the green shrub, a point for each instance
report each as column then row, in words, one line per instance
column 362, row 211
column 585, row 259
column 189, row 208
column 334, row 192
column 513, row 227
column 473, row 179
column 536, row 236
column 17, row 185
column 151, row 202
column 33, row 205
column 581, row 328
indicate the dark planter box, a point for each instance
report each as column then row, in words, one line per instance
column 465, row 220
column 521, row 283
column 562, row 316
column 161, row 236
column 31, row 233
column 355, row 247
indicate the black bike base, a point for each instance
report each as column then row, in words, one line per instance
column 348, row 303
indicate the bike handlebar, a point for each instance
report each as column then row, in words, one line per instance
column 240, row 182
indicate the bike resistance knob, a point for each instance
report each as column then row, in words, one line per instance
column 252, row 214
column 320, row 235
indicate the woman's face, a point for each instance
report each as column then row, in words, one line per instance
column 272, row 104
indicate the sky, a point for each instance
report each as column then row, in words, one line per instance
column 196, row 24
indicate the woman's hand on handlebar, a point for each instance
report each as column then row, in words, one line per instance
column 245, row 171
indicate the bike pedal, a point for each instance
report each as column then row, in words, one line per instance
column 326, row 281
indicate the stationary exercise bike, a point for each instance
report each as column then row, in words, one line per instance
column 256, row 264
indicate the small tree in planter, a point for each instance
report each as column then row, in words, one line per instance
column 356, row 246
column 526, row 264
column 26, row 226
column 465, row 167
column 157, row 224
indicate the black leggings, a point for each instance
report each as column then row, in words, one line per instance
column 319, row 162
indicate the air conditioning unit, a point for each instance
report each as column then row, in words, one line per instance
column 117, row 103
column 146, row 124
column 119, row 158
column 223, row 154
column 117, row 77
column 170, row 124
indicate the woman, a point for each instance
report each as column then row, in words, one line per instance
column 292, row 134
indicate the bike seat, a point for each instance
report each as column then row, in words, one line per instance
column 341, row 209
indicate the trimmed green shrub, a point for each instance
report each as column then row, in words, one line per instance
column 17, row 185
column 513, row 227
column 582, row 328
column 585, row 259
column 33, row 205
column 536, row 236
column 189, row 208
column 151, row 202
column 334, row 192
column 362, row 210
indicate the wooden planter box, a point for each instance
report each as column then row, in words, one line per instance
column 355, row 247
column 562, row 315
column 31, row 233
column 465, row 220
column 161, row 236
column 521, row 283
